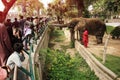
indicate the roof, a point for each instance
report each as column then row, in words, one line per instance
column 113, row 24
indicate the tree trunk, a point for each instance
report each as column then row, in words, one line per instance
column 80, row 7
column 72, row 32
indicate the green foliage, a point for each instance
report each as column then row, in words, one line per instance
column 72, row 44
column 60, row 66
column 109, row 29
column 112, row 5
column 57, row 33
column 106, row 8
column 72, row 12
column 116, row 32
column 29, row 8
column 113, row 62
column 86, row 13
column 36, row 73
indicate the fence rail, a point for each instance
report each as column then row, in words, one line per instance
column 100, row 70
column 31, row 53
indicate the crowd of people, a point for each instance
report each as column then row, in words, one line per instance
column 16, row 36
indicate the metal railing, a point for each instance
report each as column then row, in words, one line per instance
column 29, row 72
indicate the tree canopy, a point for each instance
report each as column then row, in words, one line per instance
column 69, row 8
column 78, row 8
column 29, row 8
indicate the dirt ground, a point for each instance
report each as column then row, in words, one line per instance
column 66, row 42
column 113, row 46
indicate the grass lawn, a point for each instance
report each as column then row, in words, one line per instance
column 112, row 62
column 59, row 34
column 109, row 29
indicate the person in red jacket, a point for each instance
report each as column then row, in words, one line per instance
column 85, row 37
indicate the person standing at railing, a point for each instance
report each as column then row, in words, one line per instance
column 21, row 23
column 5, row 45
column 15, row 58
column 8, row 25
column 27, row 32
column 16, row 35
column 35, row 24
column 16, row 23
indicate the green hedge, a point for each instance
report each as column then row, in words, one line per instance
column 60, row 66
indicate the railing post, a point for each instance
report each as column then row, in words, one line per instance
column 31, row 74
column 15, row 73
column 31, row 68
column 31, row 47
column 25, row 71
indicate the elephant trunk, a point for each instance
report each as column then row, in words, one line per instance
column 59, row 25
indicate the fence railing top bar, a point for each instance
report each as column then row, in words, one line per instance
column 30, row 72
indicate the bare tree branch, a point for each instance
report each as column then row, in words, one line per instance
column 7, row 5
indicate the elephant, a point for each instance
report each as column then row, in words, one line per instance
column 116, row 33
column 95, row 27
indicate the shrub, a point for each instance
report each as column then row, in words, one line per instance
column 60, row 66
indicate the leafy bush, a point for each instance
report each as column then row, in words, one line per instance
column 60, row 66
column 72, row 44
column 57, row 33
column 116, row 32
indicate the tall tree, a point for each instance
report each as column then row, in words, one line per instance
column 81, row 5
column 77, row 3
column 112, row 6
column 58, row 9
column 28, row 8
column 106, row 8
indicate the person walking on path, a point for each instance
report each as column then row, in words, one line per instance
column 5, row 45
column 85, row 37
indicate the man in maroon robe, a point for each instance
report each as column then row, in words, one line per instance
column 85, row 37
column 5, row 45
